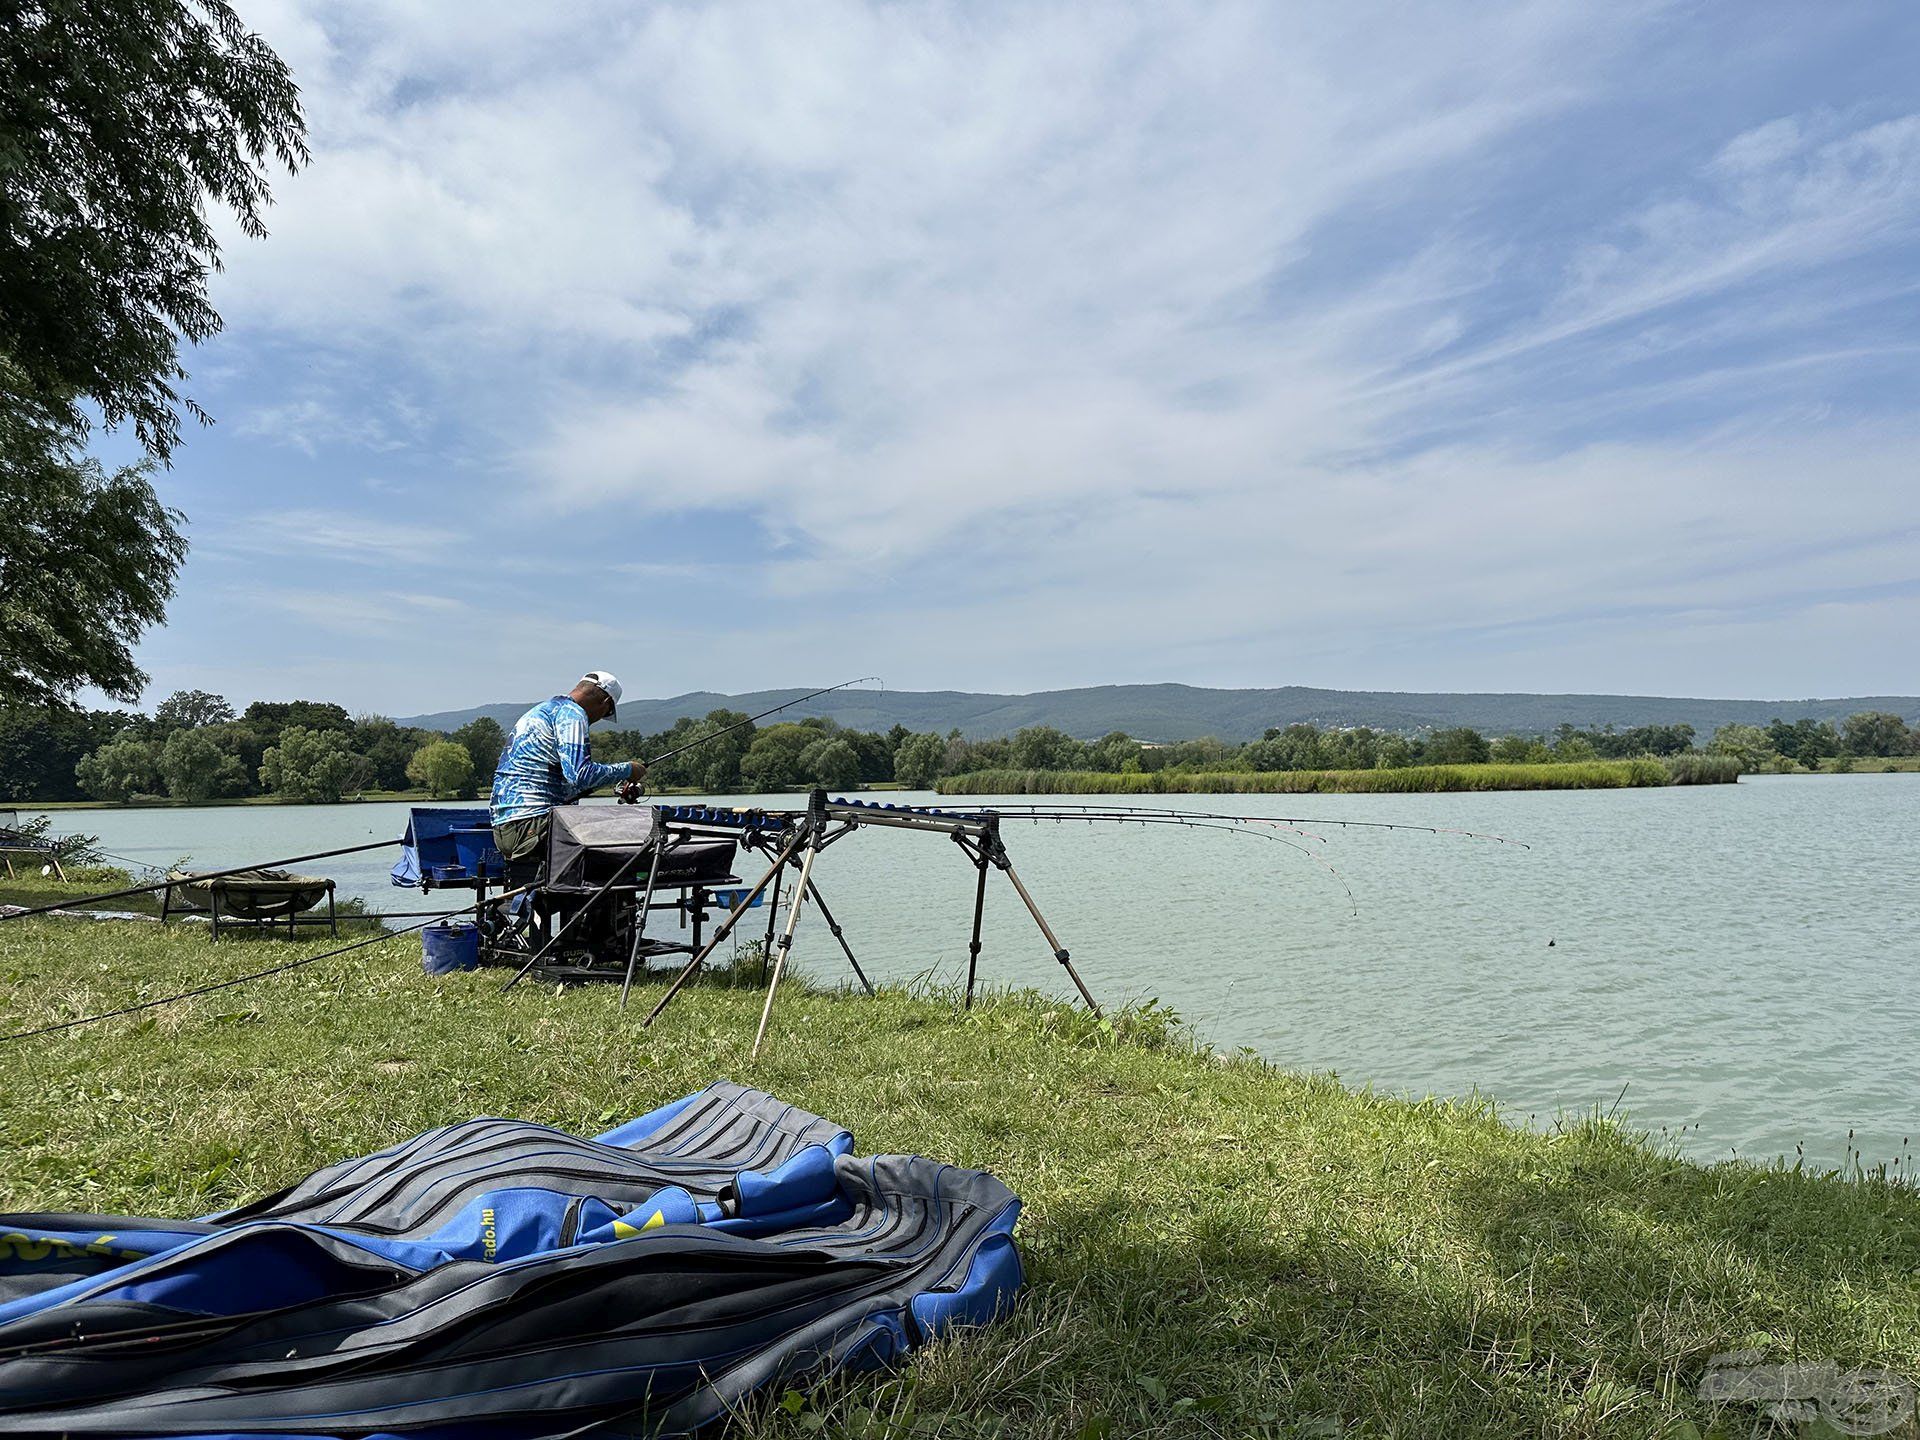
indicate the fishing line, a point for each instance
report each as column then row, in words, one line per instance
column 228, row 984
column 201, row 875
column 1290, row 820
column 1206, row 823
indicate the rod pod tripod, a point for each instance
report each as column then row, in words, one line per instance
column 823, row 824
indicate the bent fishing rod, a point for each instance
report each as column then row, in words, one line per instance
column 1060, row 811
column 772, row 710
column 630, row 791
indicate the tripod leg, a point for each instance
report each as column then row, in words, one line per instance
column 773, row 917
column 813, row 889
column 1059, row 950
column 640, row 919
column 726, row 929
column 786, row 944
column 979, row 910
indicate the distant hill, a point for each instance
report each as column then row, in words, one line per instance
column 1182, row 712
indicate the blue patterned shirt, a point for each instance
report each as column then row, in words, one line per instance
column 546, row 762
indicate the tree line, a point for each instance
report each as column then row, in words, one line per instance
column 196, row 748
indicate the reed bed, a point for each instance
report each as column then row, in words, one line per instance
column 1415, row 779
column 1702, row 769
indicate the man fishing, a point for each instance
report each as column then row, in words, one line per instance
column 546, row 763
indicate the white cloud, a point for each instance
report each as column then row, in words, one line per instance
column 1194, row 320
column 332, row 534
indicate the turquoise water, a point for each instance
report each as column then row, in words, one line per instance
column 1739, row 960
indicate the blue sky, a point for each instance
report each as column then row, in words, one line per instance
column 985, row 347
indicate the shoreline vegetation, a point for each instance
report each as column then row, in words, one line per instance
column 195, row 749
column 1263, row 1253
column 1416, row 779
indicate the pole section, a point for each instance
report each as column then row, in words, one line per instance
column 726, row 929
column 979, row 911
column 820, row 900
column 1059, row 950
column 786, row 943
column 640, row 920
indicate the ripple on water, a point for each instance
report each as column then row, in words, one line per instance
column 1740, row 958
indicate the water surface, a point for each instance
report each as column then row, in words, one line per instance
column 1739, row 960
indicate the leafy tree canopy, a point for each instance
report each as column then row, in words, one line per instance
column 120, row 770
column 119, row 121
column 441, row 768
column 483, row 740
column 190, row 709
column 194, row 767
column 309, row 764
column 87, row 561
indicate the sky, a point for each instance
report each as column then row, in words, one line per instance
column 1013, row 347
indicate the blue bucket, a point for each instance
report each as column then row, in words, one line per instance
column 448, row 945
column 473, row 845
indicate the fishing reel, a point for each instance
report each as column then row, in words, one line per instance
column 630, row 792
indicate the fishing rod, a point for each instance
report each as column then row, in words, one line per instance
column 228, row 984
column 773, row 710
column 200, row 875
column 1203, row 821
column 1071, row 812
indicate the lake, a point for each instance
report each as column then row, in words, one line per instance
column 1730, row 964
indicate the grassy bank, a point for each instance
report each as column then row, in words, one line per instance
column 1577, row 775
column 1216, row 1248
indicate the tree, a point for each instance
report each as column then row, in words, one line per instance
column 483, row 740
column 917, row 761
column 1461, row 745
column 190, row 709
column 831, row 763
column 1396, row 753
column 387, row 748
column 194, row 768
column 1113, row 751
column 267, row 718
column 441, row 767
column 772, row 762
column 1298, row 747
column 1041, row 747
column 308, row 764
column 1875, row 732
column 1746, row 743
column 123, row 119
column 40, row 748
column 87, row 557
column 119, row 771
column 1807, row 741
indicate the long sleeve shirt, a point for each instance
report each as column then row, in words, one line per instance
column 546, row 762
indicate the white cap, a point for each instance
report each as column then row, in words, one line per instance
column 606, row 681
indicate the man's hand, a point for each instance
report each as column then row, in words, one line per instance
column 631, row 790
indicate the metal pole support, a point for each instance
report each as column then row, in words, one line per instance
column 726, row 928
column 800, row 891
column 1059, row 950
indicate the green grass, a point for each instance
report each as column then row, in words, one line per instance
column 1215, row 1247
column 1576, row 775
column 1870, row 765
column 32, row 890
